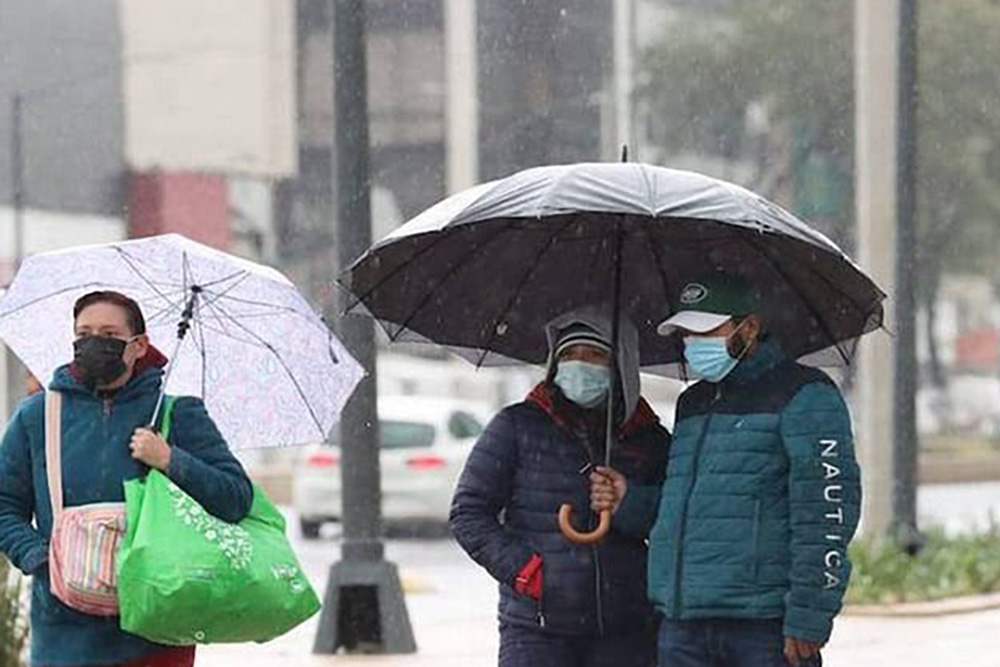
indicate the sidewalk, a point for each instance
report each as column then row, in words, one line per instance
column 963, row 640
column 452, row 605
column 455, row 627
column 971, row 640
column 468, row 639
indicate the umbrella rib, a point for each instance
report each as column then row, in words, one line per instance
column 451, row 224
column 649, row 189
column 451, row 272
column 252, row 302
column 50, row 295
column 438, row 238
column 833, row 286
column 654, row 249
column 186, row 271
column 255, row 316
column 220, row 317
column 128, row 259
column 658, row 260
column 218, row 281
column 276, row 310
column 329, row 346
column 595, row 252
column 550, row 192
column 203, row 350
column 448, row 227
column 524, row 279
column 199, row 342
column 132, row 261
column 284, row 366
column 168, row 309
column 815, row 313
column 232, row 336
column 216, row 295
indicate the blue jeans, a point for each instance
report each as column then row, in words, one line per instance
column 528, row 647
column 725, row 643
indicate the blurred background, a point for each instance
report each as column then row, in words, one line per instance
column 124, row 118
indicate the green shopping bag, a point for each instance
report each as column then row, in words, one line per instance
column 186, row 577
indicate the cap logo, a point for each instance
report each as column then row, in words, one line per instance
column 694, row 293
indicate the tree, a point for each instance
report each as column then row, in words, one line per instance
column 794, row 59
column 13, row 624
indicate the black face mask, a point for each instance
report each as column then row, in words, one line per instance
column 99, row 359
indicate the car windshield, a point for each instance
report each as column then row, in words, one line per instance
column 406, row 434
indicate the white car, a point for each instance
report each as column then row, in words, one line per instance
column 424, row 444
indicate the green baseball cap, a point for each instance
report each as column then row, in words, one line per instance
column 708, row 303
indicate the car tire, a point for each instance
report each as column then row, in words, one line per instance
column 309, row 529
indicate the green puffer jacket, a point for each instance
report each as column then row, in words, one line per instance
column 761, row 498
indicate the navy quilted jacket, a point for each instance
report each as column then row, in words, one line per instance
column 523, row 467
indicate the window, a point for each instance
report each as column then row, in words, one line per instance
column 463, row 425
column 405, row 435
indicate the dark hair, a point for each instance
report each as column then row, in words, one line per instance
column 133, row 314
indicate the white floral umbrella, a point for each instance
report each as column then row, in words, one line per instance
column 269, row 369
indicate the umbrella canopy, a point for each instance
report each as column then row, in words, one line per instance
column 482, row 271
column 270, row 371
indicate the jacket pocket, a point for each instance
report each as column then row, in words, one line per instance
column 541, row 598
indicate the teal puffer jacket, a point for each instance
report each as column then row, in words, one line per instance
column 96, row 461
column 761, row 498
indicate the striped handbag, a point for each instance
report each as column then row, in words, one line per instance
column 85, row 539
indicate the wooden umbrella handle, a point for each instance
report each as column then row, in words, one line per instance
column 575, row 536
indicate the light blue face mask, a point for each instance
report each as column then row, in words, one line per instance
column 583, row 383
column 709, row 358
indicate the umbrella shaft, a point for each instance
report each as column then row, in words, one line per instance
column 163, row 386
column 182, row 329
column 616, row 376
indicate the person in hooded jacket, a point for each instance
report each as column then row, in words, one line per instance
column 109, row 394
column 564, row 604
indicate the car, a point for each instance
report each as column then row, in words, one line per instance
column 424, row 442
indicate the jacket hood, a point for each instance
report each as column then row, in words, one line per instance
column 544, row 396
column 598, row 319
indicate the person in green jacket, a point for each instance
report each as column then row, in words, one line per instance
column 748, row 534
column 109, row 393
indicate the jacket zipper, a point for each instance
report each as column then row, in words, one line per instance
column 598, row 575
column 756, row 538
column 597, row 561
column 598, row 585
column 541, row 600
column 679, row 547
column 108, row 406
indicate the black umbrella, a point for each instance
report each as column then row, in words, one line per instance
column 483, row 271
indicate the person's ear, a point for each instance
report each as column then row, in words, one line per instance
column 140, row 346
column 752, row 329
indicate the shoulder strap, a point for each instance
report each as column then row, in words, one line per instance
column 167, row 416
column 53, row 450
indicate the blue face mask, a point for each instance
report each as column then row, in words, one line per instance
column 583, row 383
column 709, row 358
